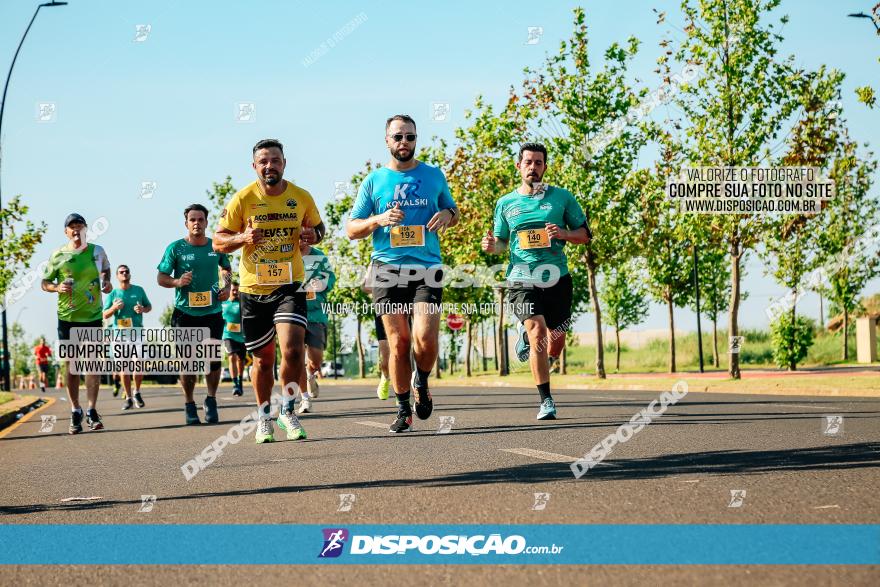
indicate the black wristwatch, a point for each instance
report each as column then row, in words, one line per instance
column 452, row 210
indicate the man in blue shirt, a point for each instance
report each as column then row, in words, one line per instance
column 405, row 206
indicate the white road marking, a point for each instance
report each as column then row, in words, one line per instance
column 805, row 406
column 94, row 497
column 540, row 454
column 825, row 507
column 373, row 424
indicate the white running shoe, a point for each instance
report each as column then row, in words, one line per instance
column 265, row 431
column 305, row 405
column 291, row 424
column 312, row 385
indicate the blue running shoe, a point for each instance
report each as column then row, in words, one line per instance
column 548, row 410
column 522, row 344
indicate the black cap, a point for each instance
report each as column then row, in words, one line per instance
column 74, row 217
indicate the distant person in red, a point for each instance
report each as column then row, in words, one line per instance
column 42, row 352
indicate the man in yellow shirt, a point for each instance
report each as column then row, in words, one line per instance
column 267, row 220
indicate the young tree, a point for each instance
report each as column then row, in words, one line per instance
column 738, row 105
column 714, row 274
column 850, row 232
column 791, row 244
column 349, row 259
column 17, row 244
column 624, row 300
column 570, row 103
column 662, row 233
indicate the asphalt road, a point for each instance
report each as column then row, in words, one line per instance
column 487, row 468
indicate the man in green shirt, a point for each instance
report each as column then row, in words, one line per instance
column 79, row 272
column 233, row 339
column 534, row 222
column 127, row 305
column 319, row 280
column 191, row 266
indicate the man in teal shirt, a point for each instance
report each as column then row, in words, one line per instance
column 233, row 339
column 192, row 268
column 79, row 272
column 127, row 305
column 534, row 222
column 319, row 280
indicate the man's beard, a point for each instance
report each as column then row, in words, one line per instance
column 402, row 158
column 272, row 179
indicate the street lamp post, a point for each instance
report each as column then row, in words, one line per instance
column 4, row 368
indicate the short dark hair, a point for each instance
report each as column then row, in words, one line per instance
column 121, row 266
column 402, row 117
column 533, row 147
column 198, row 207
column 268, row 144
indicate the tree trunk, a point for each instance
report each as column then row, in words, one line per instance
column 669, row 305
column 597, row 311
column 483, row 345
column 792, row 364
column 733, row 330
column 469, row 344
column 437, row 373
column 617, row 343
column 495, row 344
column 563, row 361
column 821, row 312
column 362, row 368
column 845, row 354
column 715, row 359
column 500, row 343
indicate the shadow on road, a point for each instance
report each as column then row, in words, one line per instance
column 825, row 458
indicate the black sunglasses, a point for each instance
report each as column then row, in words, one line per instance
column 399, row 137
column 125, row 272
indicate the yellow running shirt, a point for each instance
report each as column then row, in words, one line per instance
column 276, row 261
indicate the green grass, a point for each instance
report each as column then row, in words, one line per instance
column 5, row 396
column 757, row 352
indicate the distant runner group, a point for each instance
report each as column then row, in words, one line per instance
column 277, row 302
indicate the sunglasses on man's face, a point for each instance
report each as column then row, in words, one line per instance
column 124, row 272
column 400, row 136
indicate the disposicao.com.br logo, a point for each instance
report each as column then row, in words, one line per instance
column 476, row 545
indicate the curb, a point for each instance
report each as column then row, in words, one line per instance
column 30, row 404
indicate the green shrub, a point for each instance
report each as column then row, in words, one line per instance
column 791, row 339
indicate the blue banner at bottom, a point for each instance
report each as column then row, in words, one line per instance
column 710, row 544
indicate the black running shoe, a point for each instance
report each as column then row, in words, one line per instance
column 138, row 400
column 403, row 422
column 94, row 420
column 237, row 391
column 127, row 404
column 192, row 414
column 424, row 403
column 211, row 414
column 76, row 419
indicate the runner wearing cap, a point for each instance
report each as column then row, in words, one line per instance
column 79, row 272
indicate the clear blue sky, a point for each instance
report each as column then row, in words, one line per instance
column 163, row 109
